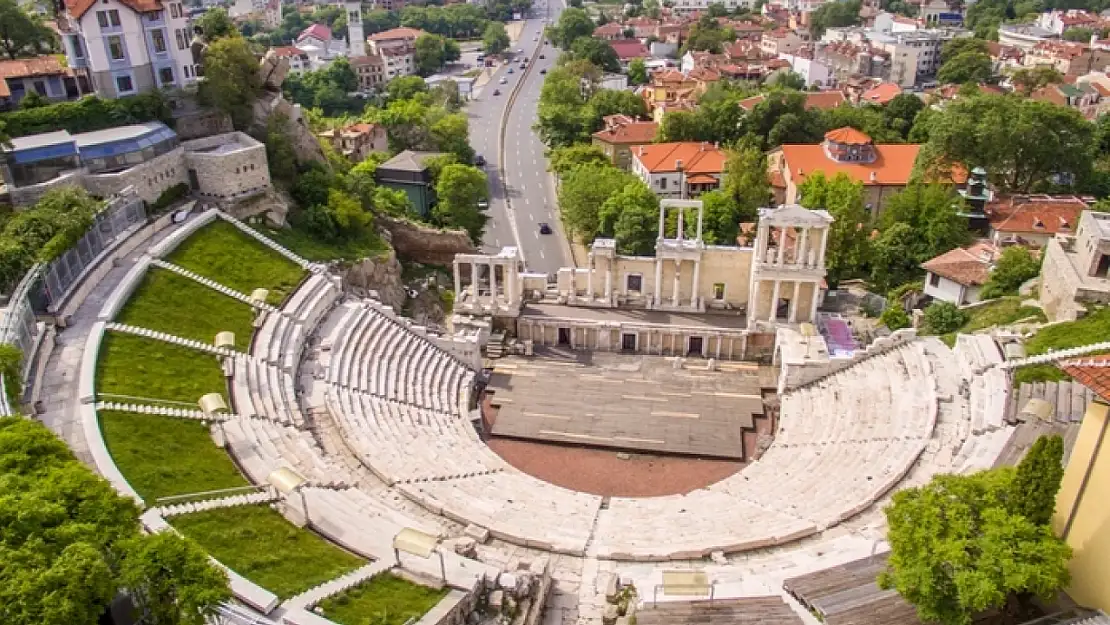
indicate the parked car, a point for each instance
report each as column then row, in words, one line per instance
column 496, row 92
column 480, row 160
column 544, row 228
column 483, row 205
column 510, row 71
column 542, row 56
column 543, row 71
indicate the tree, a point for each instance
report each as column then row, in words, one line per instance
column 171, row 582
column 379, row 20
column 959, row 45
column 458, row 191
column 1020, row 142
column 1014, row 266
column 834, row 14
column 405, row 87
column 968, row 66
column 606, row 102
column 215, row 24
column 1037, row 480
column 788, row 79
column 631, row 217
column 573, row 23
column 637, row 72
column 430, row 53
column 893, row 257
column 681, row 126
column 932, row 211
column 942, row 317
column 848, row 241
column 562, row 160
column 280, row 156
column 581, row 194
column 867, row 118
column 1029, row 79
column 782, row 117
column 495, row 39
column 745, row 184
column 901, row 112
column 894, row 317
column 1081, row 35
column 721, row 218
column 707, row 35
column 596, row 51
column 22, row 34
column 957, row 550
column 450, row 134
column 230, row 79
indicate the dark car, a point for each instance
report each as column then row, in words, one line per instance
column 496, row 92
column 480, row 160
column 543, row 71
column 544, row 228
column 543, row 56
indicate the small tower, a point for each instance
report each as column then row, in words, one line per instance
column 976, row 195
column 356, row 44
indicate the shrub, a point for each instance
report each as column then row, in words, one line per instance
column 1015, row 266
column 43, row 232
column 88, row 114
column 943, row 317
column 11, row 365
column 169, row 196
column 895, row 317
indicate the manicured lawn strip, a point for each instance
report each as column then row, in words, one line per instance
column 223, row 253
column 141, row 367
column 175, row 304
column 162, row 456
column 384, row 600
column 1093, row 328
column 259, row 544
column 310, row 248
column 1002, row 311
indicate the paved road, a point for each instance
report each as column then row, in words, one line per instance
column 528, row 183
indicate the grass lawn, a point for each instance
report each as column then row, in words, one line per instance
column 221, row 252
column 1000, row 312
column 259, row 544
column 384, row 600
column 142, row 367
column 313, row 249
column 170, row 303
column 163, row 456
column 1093, row 328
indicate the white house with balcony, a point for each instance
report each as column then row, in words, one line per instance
column 125, row 47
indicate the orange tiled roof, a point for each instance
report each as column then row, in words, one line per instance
column 893, row 164
column 77, row 8
column 970, row 266
column 1092, row 372
column 630, row 132
column 697, row 158
column 288, row 51
column 702, row 179
column 45, row 65
column 820, row 100
column 629, row 49
column 612, row 28
column 848, row 136
column 881, row 93
column 1039, row 214
column 397, row 33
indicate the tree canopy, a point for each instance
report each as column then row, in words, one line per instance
column 458, row 190
column 432, row 52
column 967, row 66
column 573, row 23
column 849, row 241
column 1014, row 266
column 231, row 80
column 21, row 33
column 834, row 14
column 582, row 193
column 215, row 24
column 495, row 39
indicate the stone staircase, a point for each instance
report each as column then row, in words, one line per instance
column 274, row 245
column 309, row 598
column 166, row 337
column 495, row 348
column 1054, row 356
column 247, row 499
column 165, row 411
column 212, row 284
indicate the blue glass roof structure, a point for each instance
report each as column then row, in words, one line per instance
column 43, row 147
column 97, row 144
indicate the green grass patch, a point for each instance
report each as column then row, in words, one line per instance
column 1003, row 311
column 141, row 367
column 1093, row 328
column 311, row 248
column 259, row 544
column 163, row 456
column 171, row 303
column 384, row 600
column 222, row 252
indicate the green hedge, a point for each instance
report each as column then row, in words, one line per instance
column 88, row 114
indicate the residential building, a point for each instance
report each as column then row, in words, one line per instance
column 629, row 49
column 393, row 38
column 682, row 170
column 883, row 169
column 916, row 53
column 398, row 61
column 1059, row 21
column 780, row 41
column 620, row 134
column 148, row 157
column 1089, row 98
column 1069, row 58
column 1031, row 220
column 43, row 75
column 408, row 172
column 847, row 60
column 357, row 141
column 687, row 7
column 1076, row 268
column 957, row 275
column 1023, row 36
column 823, row 100
column 813, row 71
column 940, row 13
column 609, row 32
column 124, row 47
column 298, row 59
column 370, row 70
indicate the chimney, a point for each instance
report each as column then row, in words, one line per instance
column 678, row 164
column 874, row 176
column 641, row 150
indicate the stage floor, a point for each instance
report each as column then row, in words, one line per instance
column 626, row 402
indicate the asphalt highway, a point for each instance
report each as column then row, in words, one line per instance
column 530, row 202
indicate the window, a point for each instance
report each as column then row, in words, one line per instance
column 718, row 291
column 113, row 17
column 124, row 84
column 154, row 16
column 180, row 38
column 634, row 282
column 78, row 49
column 187, row 73
column 934, row 279
column 173, row 11
column 40, row 87
column 158, row 38
column 102, row 18
column 115, row 47
column 166, row 76
column 662, row 183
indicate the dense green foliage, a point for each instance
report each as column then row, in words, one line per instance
column 11, row 366
column 834, row 14
column 22, row 33
column 1014, row 266
column 216, row 24
column 231, row 81
column 573, row 23
column 894, row 317
column 848, row 244
column 433, row 52
column 495, row 39
column 70, row 544
column 39, row 234
column 918, row 223
column 325, row 89
column 571, row 107
column 87, row 114
column 1038, row 479
column 1062, row 336
column 943, row 317
column 459, row 188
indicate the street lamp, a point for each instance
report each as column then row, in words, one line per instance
column 287, row 481
column 420, row 544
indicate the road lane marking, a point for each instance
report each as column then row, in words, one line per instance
column 541, row 251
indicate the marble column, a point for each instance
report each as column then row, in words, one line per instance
column 753, row 305
column 782, row 244
column 493, row 284
column 794, row 303
column 701, row 211
column 608, row 281
column 510, row 286
column 801, row 257
column 813, row 304
column 824, row 246
column 677, row 277
column 774, row 302
column 474, row 281
column 590, row 278
column 458, row 280
column 694, row 296
column 658, row 281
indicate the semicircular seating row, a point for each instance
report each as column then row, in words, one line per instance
column 400, row 403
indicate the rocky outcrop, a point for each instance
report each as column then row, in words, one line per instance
column 425, row 244
column 381, row 274
column 427, row 307
column 305, row 145
column 272, row 205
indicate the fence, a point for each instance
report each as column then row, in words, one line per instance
column 18, row 326
column 61, row 274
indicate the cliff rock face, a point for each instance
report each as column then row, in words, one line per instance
column 424, row 244
column 272, row 204
column 382, row 275
column 305, row 145
column 427, row 308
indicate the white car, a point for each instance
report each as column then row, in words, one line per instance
column 504, row 80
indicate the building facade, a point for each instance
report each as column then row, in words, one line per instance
column 1076, row 269
column 682, row 170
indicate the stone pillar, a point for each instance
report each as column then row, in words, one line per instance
column 658, row 281
column 761, row 243
column 801, row 257
column 824, row 246
column 608, row 280
column 573, row 284
column 794, row 303
column 701, row 211
column 662, row 223
column 681, row 233
column 753, row 305
column 774, row 302
column 719, row 339
column 510, row 286
column 813, row 303
column 782, row 244
column 590, row 278
column 474, row 281
column 458, row 280
column 694, row 297
column 677, row 277
column 493, row 284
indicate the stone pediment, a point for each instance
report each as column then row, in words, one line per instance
column 794, row 215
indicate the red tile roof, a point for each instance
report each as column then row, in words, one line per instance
column 820, row 100
column 77, row 8
column 318, row 31
column 881, row 93
column 696, row 158
column 629, row 49
column 623, row 130
column 1092, row 372
column 848, row 136
column 45, row 65
column 288, row 51
column 397, row 33
column 702, row 179
column 1037, row 214
column 970, row 266
column 610, row 29
column 893, row 164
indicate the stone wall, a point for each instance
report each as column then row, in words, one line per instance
column 1059, row 283
column 237, row 170
column 795, row 374
column 202, row 124
column 149, row 179
column 382, row 275
column 23, row 197
column 424, row 244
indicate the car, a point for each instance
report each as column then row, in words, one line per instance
column 544, row 228
column 503, row 80
column 542, row 56
column 483, row 205
column 496, row 92
column 510, row 71
column 480, row 160
column 523, row 66
column 520, row 51
column 543, row 71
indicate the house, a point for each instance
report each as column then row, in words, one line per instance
column 317, row 35
column 297, row 58
column 408, row 172
column 682, row 170
column 812, row 70
column 357, row 141
column 824, row 100
column 394, row 38
column 957, row 275
column 629, row 49
column 1090, row 99
column 1059, row 21
column 1067, row 57
column 124, row 47
column 620, row 134
column 881, row 94
column 847, row 60
column 43, row 75
column 609, row 32
column 370, row 70
column 883, row 169
column 1076, row 268
column 1031, row 220
column 780, row 41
